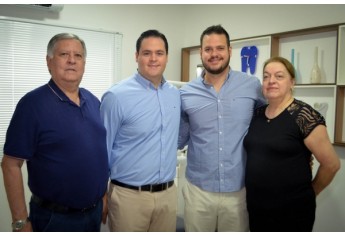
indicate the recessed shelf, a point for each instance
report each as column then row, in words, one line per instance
column 323, row 100
column 304, row 47
column 263, row 45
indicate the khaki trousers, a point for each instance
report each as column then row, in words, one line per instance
column 209, row 212
column 141, row 211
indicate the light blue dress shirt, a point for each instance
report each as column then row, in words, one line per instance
column 213, row 125
column 142, row 125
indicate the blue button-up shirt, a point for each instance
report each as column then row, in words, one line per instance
column 142, row 125
column 213, row 125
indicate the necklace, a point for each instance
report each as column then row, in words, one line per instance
column 278, row 112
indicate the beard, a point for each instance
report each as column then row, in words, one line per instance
column 218, row 70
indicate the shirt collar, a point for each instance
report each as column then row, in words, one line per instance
column 206, row 84
column 147, row 83
column 61, row 95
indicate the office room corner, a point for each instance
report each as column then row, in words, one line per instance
column 182, row 24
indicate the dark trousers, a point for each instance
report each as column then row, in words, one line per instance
column 45, row 220
column 265, row 221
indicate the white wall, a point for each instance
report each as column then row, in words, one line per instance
column 183, row 24
column 243, row 21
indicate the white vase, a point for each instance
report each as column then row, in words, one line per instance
column 315, row 76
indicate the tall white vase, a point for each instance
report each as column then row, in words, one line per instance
column 315, row 76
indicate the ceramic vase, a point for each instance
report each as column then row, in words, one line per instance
column 315, row 76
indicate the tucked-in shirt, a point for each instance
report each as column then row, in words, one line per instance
column 213, row 126
column 64, row 145
column 142, row 125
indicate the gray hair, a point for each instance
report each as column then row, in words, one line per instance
column 58, row 37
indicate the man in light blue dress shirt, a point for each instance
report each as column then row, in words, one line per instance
column 142, row 116
column 217, row 108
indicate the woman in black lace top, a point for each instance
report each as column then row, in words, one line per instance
column 281, row 140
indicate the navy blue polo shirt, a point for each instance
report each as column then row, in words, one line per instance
column 64, row 145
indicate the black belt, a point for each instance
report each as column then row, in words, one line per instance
column 59, row 208
column 149, row 187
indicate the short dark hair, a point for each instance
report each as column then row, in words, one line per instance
column 215, row 29
column 151, row 33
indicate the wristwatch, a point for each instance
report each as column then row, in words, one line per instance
column 19, row 224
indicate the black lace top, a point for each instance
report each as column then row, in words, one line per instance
column 278, row 172
column 307, row 117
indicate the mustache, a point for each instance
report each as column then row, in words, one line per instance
column 215, row 57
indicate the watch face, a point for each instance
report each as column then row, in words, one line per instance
column 18, row 225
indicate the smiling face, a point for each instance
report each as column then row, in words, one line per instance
column 277, row 81
column 152, row 59
column 67, row 65
column 215, row 53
